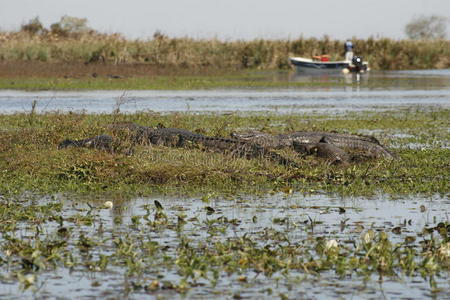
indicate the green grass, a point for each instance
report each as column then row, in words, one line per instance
column 30, row 160
column 244, row 79
column 155, row 83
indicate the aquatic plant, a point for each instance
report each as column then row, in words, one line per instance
column 159, row 251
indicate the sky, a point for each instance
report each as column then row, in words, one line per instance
column 230, row 19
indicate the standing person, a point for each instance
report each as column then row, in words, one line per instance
column 348, row 46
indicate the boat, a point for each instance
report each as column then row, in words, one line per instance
column 322, row 64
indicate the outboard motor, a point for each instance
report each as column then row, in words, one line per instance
column 357, row 64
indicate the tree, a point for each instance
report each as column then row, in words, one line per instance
column 427, row 27
column 70, row 26
column 34, row 26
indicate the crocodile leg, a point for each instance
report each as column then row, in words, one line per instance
column 324, row 150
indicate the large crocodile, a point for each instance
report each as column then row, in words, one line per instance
column 324, row 144
column 174, row 137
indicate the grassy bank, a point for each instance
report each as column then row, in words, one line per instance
column 194, row 54
column 107, row 81
column 30, row 159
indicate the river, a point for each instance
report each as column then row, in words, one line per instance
column 379, row 91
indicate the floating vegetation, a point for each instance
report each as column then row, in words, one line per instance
column 244, row 247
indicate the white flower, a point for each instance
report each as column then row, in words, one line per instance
column 331, row 244
column 108, row 204
column 29, row 279
column 368, row 236
column 444, row 250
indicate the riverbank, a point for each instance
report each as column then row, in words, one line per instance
column 35, row 75
column 100, row 77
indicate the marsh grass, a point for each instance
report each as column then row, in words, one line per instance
column 154, row 83
column 194, row 54
column 30, row 159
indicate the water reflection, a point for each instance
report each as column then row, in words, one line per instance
column 387, row 80
column 347, row 78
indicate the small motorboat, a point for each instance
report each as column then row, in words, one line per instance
column 322, row 64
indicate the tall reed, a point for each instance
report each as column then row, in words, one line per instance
column 163, row 51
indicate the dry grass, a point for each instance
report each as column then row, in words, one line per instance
column 197, row 55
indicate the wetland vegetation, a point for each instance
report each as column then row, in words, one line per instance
column 288, row 248
column 93, row 223
column 187, row 53
column 128, row 80
column 31, row 160
column 58, row 58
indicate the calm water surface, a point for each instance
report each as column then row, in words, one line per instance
column 378, row 91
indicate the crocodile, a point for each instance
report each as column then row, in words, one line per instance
column 324, row 150
column 324, row 144
column 175, row 137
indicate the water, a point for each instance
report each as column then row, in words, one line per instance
column 258, row 218
column 378, row 91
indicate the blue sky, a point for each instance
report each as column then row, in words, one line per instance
column 231, row 19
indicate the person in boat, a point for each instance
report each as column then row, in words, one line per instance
column 348, row 46
column 323, row 57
